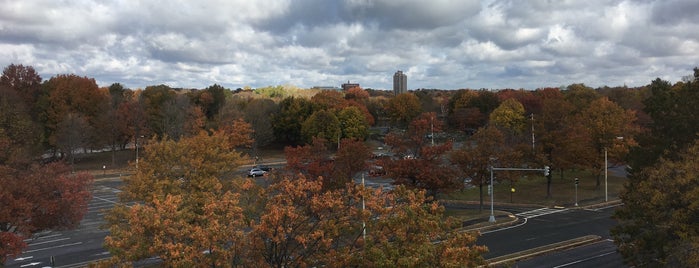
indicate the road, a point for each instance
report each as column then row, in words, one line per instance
column 73, row 248
column 547, row 226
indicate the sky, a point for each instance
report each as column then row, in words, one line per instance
column 443, row 44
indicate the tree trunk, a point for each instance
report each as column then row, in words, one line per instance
column 480, row 187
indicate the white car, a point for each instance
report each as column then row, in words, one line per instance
column 254, row 172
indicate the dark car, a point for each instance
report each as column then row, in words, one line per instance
column 254, row 172
column 263, row 167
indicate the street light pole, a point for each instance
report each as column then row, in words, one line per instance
column 606, row 195
column 492, row 192
column 576, row 192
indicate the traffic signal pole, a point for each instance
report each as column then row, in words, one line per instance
column 546, row 171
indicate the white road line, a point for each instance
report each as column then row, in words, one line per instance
column 46, row 242
column 586, row 259
column 59, row 246
column 42, row 237
column 106, row 200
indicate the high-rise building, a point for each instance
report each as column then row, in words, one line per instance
column 400, row 83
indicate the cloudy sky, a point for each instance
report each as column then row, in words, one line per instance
column 446, row 44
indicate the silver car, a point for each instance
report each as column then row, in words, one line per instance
column 254, row 172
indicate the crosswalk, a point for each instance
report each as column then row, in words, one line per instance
column 539, row 212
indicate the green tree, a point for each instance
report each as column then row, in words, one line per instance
column 259, row 113
column 673, row 110
column 288, row 122
column 657, row 224
column 153, row 100
column 353, row 122
column 322, row 124
column 20, row 136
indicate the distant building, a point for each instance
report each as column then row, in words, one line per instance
column 400, row 83
column 326, row 88
column 348, row 85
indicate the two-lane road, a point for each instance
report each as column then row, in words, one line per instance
column 548, row 226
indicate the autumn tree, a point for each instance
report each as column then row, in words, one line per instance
column 304, row 225
column 611, row 130
column 26, row 83
column 509, row 116
column 486, row 148
column 184, row 208
column 71, row 94
column 72, row 134
column 403, row 108
column 422, row 165
column 657, row 224
column 330, row 100
column 406, row 230
column 313, row 160
column 351, row 157
column 39, row 198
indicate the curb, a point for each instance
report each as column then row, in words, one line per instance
column 575, row 242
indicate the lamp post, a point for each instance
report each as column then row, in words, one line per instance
column 576, row 191
column 492, row 192
column 606, row 168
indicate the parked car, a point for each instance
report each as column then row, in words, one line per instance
column 254, row 172
column 263, row 167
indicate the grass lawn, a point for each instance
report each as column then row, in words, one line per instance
column 532, row 190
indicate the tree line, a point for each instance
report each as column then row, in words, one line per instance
column 567, row 128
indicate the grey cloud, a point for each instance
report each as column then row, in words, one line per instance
column 675, row 11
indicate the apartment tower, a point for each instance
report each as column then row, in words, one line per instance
column 400, row 83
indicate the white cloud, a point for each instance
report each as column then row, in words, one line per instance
column 440, row 44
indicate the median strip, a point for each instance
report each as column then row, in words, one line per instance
column 543, row 249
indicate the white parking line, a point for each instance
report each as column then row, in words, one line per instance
column 106, row 200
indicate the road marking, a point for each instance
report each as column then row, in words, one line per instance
column 539, row 212
column 106, row 200
column 506, row 228
column 586, row 259
column 46, row 242
column 30, row 264
column 24, row 258
column 59, row 246
column 42, row 237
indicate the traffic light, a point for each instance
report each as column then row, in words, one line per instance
column 576, row 181
column 547, row 171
